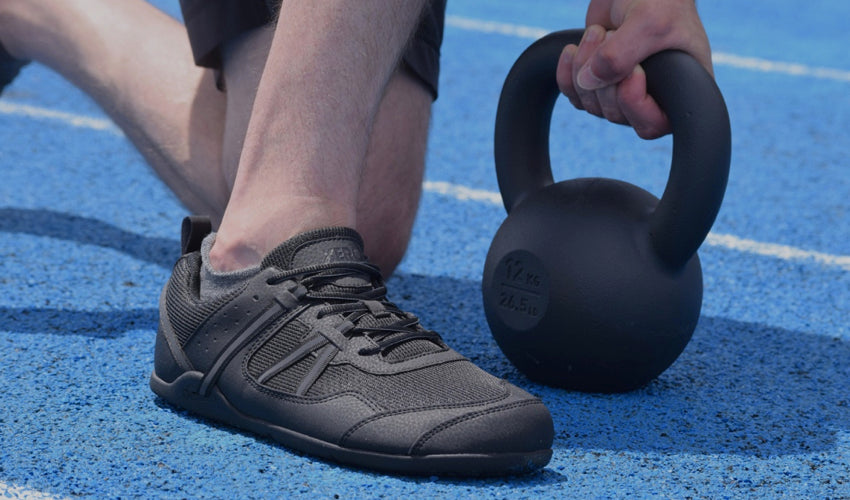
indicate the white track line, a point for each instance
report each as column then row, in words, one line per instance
column 783, row 252
column 507, row 29
column 11, row 491
column 74, row 120
column 719, row 58
column 464, row 193
column 766, row 66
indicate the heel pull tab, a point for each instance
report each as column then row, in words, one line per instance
column 195, row 229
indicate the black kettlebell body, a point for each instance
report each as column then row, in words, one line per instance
column 588, row 306
column 594, row 284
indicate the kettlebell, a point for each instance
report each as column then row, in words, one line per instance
column 594, row 284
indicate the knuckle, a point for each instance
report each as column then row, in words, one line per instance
column 609, row 64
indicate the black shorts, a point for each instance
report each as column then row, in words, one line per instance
column 211, row 23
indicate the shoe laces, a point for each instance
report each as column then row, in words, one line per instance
column 356, row 291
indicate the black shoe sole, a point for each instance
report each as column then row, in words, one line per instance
column 182, row 393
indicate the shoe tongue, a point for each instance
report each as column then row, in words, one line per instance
column 338, row 245
column 322, row 246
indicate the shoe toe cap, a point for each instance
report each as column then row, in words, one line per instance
column 519, row 423
column 516, row 427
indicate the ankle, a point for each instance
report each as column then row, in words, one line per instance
column 227, row 256
column 246, row 236
column 216, row 282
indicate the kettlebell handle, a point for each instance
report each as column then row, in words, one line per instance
column 701, row 140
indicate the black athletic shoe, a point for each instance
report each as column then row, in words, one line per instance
column 9, row 68
column 311, row 353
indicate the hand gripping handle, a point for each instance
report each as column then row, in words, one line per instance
column 701, row 140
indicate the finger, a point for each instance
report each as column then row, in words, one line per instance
column 564, row 75
column 639, row 108
column 609, row 64
column 594, row 35
column 641, row 35
column 609, row 103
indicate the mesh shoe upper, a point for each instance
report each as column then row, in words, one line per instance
column 312, row 345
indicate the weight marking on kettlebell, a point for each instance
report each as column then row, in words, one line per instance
column 523, row 290
column 520, row 289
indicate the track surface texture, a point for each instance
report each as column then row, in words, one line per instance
column 757, row 406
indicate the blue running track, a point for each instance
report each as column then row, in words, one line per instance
column 758, row 405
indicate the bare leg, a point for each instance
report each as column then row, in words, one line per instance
column 392, row 178
column 136, row 63
column 174, row 115
column 311, row 125
column 395, row 166
column 243, row 60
